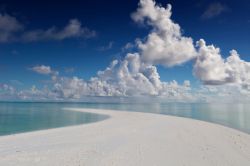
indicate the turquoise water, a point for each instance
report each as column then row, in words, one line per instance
column 24, row 117
column 21, row 117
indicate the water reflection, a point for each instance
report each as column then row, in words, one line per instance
column 232, row 115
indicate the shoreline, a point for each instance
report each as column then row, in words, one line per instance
column 129, row 138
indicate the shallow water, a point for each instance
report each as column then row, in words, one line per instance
column 22, row 117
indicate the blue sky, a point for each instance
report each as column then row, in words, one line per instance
column 223, row 23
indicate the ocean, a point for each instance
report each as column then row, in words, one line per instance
column 19, row 117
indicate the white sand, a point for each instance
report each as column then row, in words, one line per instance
column 129, row 138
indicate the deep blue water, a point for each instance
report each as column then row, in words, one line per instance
column 21, row 117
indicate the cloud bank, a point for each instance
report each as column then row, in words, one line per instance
column 12, row 30
column 129, row 77
column 73, row 29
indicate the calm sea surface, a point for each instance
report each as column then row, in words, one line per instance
column 23, row 116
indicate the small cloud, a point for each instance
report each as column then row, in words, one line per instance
column 42, row 69
column 69, row 70
column 14, row 52
column 131, row 45
column 46, row 70
column 16, row 82
column 213, row 10
column 8, row 89
column 107, row 47
column 128, row 46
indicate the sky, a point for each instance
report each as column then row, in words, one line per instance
column 172, row 49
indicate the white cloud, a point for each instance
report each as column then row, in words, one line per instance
column 16, row 82
column 128, row 46
column 165, row 45
column 46, row 70
column 129, row 77
column 209, row 66
column 212, row 69
column 42, row 69
column 238, row 70
column 11, row 30
column 213, row 10
column 35, row 94
column 222, row 94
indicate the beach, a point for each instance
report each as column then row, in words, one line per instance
column 129, row 138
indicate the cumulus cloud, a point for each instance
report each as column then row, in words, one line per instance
column 213, row 10
column 212, row 69
column 165, row 45
column 11, row 30
column 129, row 77
column 16, row 82
column 209, row 66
